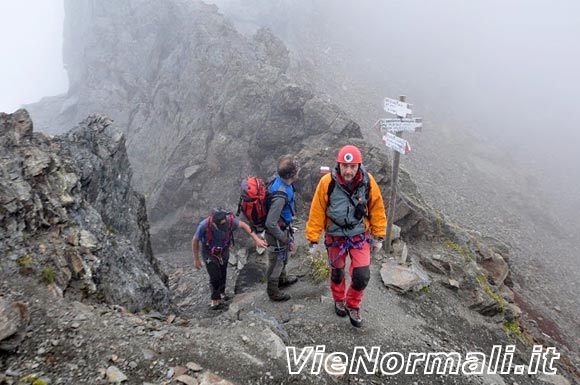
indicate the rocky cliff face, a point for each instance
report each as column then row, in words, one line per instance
column 69, row 217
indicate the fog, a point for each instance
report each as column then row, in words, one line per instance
column 506, row 69
column 509, row 69
column 31, row 45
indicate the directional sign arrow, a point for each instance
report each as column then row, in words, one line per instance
column 398, row 144
column 401, row 125
column 396, row 107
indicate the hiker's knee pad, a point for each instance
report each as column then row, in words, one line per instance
column 337, row 275
column 360, row 277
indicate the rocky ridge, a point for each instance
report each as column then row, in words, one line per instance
column 68, row 335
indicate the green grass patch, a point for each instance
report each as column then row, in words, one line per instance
column 319, row 268
column 47, row 274
column 439, row 226
column 464, row 251
column 489, row 291
column 24, row 261
column 32, row 380
column 513, row 328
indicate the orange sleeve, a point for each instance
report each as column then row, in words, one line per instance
column 317, row 217
column 376, row 208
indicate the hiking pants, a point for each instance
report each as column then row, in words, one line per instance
column 360, row 260
column 276, row 266
column 217, row 275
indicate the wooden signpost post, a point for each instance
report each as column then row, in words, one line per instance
column 392, row 132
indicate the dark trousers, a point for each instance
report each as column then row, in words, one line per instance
column 217, row 275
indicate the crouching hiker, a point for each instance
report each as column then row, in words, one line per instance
column 215, row 233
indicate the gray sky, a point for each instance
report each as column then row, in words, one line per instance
column 31, row 45
column 508, row 68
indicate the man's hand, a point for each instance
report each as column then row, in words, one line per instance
column 376, row 245
column 260, row 243
column 196, row 263
column 291, row 245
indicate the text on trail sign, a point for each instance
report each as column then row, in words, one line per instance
column 400, row 125
column 398, row 144
column 396, row 107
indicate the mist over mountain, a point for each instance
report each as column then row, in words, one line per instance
column 488, row 78
column 201, row 97
column 505, row 72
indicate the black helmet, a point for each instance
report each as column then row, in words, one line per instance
column 220, row 218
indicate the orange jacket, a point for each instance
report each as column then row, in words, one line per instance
column 318, row 221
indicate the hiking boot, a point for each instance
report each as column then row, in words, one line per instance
column 287, row 281
column 279, row 297
column 274, row 291
column 340, row 309
column 225, row 297
column 355, row 318
column 217, row 306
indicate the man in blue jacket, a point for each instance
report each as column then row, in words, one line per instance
column 279, row 233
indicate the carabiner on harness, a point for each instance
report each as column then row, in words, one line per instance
column 217, row 252
column 345, row 244
column 282, row 251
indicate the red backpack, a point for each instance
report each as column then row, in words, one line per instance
column 253, row 202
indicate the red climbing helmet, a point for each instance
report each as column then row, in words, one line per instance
column 349, row 154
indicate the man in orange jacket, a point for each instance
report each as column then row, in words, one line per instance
column 349, row 208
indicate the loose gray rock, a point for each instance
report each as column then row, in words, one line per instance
column 403, row 278
column 115, row 376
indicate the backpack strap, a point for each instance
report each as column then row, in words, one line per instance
column 288, row 203
column 229, row 234
column 330, row 189
column 270, row 195
column 239, row 207
column 209, row 231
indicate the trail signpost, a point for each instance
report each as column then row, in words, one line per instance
column 392, row 133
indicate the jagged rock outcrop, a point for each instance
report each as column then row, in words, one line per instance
column 69, row 218
column 14, row 318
